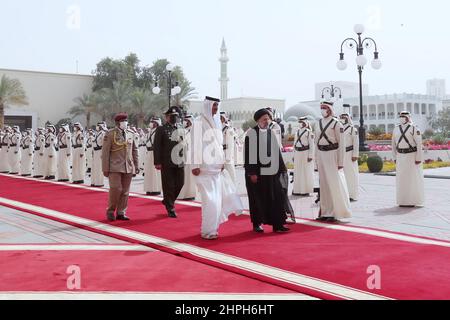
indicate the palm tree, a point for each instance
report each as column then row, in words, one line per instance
column 11, row 93
column 86, row 105
column 144, row 104
column 116, row 99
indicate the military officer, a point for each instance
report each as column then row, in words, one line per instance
column 120, row 162
column 79, row 154
column 90, row 136
column 189, row 191
column 169, row 158
column 4, row 163
column 351, row 166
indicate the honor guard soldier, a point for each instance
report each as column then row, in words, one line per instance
column 26, row 144
column 169, row 158
column 152, row 177
column 79, row 154
column 351, row 166
column 89, row 151
column 64, row 154
column 329, row 140
column 408, row 154
column 14, row 150
column 229, row 145
column 304, row 159
column 50, row 153
column 189, row 191
column 4, row 161
column 120, row 163
column 39, row 162
column 97, row 177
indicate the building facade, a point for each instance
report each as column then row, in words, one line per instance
column 50, row 96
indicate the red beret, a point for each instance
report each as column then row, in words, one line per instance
column 121, row 117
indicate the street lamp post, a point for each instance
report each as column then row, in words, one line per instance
column 361, row 61
column 332, row 91
column 171, row 90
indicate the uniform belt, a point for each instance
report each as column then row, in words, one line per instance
column 349, row 149
column 37, row 149
column 63, row 147
column 407, row 150
column 13, row 145
column 150, row 149
column 77, row 146
column 302, row 148
column 329, row 147
column 57, row 148
column 97, row 148
column 24, row 148
column 4, row 144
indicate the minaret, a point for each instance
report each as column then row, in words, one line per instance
column 223, row 72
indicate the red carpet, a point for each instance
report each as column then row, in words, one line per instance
column 120, row 271
column 408, row 270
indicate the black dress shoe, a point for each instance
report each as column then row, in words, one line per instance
column 322, row 219
column 258, row 229
column 172, row 214
column 281, row 229
column 332, row 220
column 153, row 193
column 123, row 218
column 110, row 217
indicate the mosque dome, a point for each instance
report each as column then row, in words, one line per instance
column 301, row 110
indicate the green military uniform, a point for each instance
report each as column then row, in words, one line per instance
column 168, row 142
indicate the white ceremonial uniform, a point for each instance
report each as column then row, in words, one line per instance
column 330, row 152
column 229, row 147
column 26, row 163
column 39, row 162
column 189, row 190
column 142, row 150
column 79, row 157
column 407, row 149
column 304, row 170
column 351, row 168
column 50, row 156
column 276, row 129
column 14, row 152
column 4, row 161
column 89, row 151
column 97, row 177
column 64, row 155
column 152, row 177
column 218, row 192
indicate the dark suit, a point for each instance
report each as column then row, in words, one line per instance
column 167, row 141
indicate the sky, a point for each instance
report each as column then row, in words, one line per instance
column 277, row 48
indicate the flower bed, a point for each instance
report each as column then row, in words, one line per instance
column 389, row 166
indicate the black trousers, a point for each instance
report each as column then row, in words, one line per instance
column 172, row 182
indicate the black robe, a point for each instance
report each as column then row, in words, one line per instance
column 268, row 198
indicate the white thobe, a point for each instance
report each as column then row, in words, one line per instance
column 64, row 154
column 97, row 177
column 152, row 177
column 189, row 190
column 334, row 197
column 229, row 145
column 410, row 176
column 50, row 156
column 351, row 168
column 4, row 160
column 79, row 157
column 14, row 152
column 218, row 192
column 304, row 170
column 39, row 162
column 26, row 161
